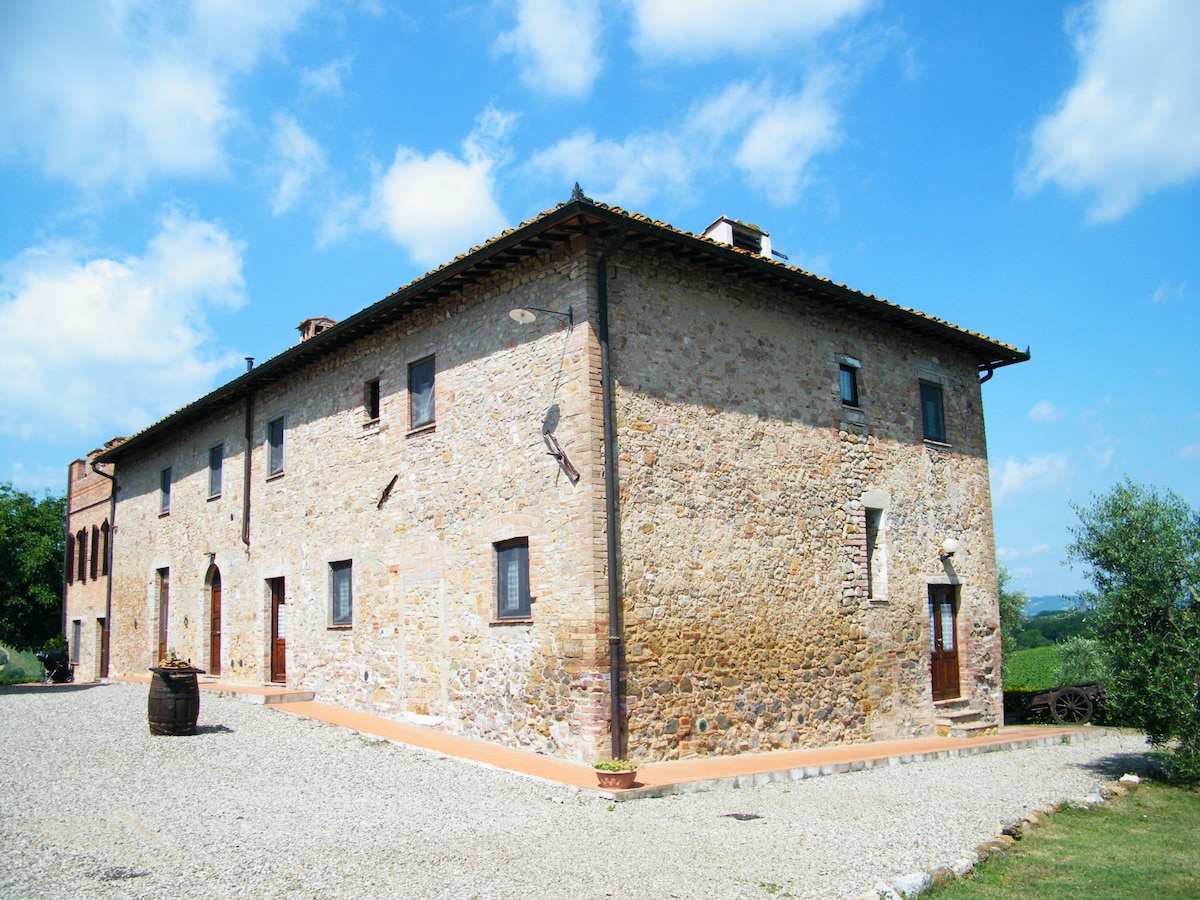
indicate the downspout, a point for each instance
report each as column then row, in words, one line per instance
column 108, row 567
column 610, row 497
column 66, row 543
column 246, row 469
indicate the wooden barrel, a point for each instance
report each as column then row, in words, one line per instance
column 174, row 703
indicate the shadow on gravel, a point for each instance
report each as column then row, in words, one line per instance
column 1113, row 767
column 39, row 688
column 213, row 729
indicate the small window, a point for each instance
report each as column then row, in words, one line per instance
column 371, row 400
column 70, row 559
column 95, row 569
column 420, row 392
column 105, row 546
column 164, row 491
column 275, row 447
column 164, row 608
column 512, row 579
column 341, row 602
column 76, row 634
column 216, row 465
column 849, row 379
column 876, row 555
column 933, row 419
column 81, row 554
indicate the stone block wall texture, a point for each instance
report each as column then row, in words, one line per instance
column 744, row 485
column 744, row 489
column 86, row 593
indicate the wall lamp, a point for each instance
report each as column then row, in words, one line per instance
column 949, row 547
column 526, row 315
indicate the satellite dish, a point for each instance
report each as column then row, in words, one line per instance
column 522, row 315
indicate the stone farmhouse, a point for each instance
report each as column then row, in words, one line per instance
column 597, row 487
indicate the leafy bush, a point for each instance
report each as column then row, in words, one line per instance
column 1032, row 670
column 19, row 667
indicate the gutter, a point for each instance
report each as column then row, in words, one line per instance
column 66, row 558
column 610, row 498
column 247, row 467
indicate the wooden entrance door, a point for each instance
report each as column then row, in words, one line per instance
column 943, row 641
column 214, row 624
column 278, row 632
column 103, row 625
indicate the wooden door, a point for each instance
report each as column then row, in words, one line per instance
column 164, row 603
column 103, row 624
column 943, row 641
column 278, row 632
column 214, row 624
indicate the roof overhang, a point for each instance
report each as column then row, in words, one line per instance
column 547, row 231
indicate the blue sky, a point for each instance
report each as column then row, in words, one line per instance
column 185, row 182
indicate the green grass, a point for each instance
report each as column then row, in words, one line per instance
column 1139, row 847
column 18, row 667
column 1032, row 670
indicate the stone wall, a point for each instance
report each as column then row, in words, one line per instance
column 744, row 488
column 415, row 512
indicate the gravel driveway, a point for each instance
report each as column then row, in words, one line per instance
column 264, row 804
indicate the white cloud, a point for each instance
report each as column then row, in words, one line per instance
column 436, row 206
column 1166, row 292
column 298, row 162
column 124, row 90
column 703, row 29
column 771, row 138
column 1040, row 472
column 555, row 45
column 1191, row 451
column 1045, row 411
column 326, row 79
column 97, row 333
column 1130, row 124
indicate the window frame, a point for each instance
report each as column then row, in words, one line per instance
column 426, row 418
column 94, row 563
column 276, row 456
column 336, row 568
column 216, row 453
column 932, row 399
column 514, row 550
column 372, row 403
column 164, row 491
column 81, row 555
column 848, row 377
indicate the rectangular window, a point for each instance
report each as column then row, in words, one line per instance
column 164, row 491
column 341, row 602
column 95, row 570
column 849, row 378
column 371, row 400
column 216, row 464
column 420, row 392
column 81, row 552
column 512, row 579
column 275, row 447
column 164, row 605
column 105, row 547
column 76, row 633
column 876, row 556
column 933, row 419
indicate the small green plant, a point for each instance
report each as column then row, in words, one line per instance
column 19, row 667
column 614, row 765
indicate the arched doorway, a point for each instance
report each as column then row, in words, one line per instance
column 214, row 621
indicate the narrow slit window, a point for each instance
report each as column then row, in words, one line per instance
column 933, row 417
column 512, row 579
column 164, row 491
column 371, row 400
column 420, row 392
column 275, row 431
column 849, row 380
column 95, row 562
column 341, row 598
column 216, row 465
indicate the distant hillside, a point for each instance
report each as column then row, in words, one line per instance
column 1048, row 604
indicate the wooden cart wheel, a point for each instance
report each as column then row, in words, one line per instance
column 1071, row 706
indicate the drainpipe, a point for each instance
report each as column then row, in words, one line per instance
column 246, row 469
column 108, row 564
column 610, row 497
column 66, row 543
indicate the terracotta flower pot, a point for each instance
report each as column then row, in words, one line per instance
column 616, row 780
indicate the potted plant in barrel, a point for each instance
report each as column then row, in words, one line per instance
column 615, row 773
column 174, row 704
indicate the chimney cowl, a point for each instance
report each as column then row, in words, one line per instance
column 743, row 235
column 310, row 328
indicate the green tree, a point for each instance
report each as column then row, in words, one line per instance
column 32, row 532
column 1142, row 550
column 1012, row 610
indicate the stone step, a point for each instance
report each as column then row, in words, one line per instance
column 971, row 730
